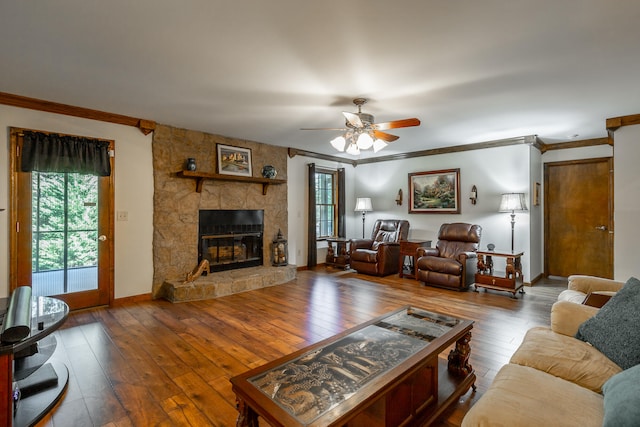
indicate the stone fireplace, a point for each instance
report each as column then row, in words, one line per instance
column 177, row 207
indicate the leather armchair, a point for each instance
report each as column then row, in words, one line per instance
column 379, row 255
column 453, row 262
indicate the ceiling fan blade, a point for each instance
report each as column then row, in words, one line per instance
column 384, row 136
column 353, row 119
column 345, row 129
column 394, row 124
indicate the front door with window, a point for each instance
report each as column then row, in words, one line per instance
column 62, row 235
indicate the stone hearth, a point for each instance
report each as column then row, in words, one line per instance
column 226, row 283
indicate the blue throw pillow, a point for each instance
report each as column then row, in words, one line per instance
column 622, row 399
column 615, row 329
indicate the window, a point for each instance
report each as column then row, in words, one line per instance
column 326, row 204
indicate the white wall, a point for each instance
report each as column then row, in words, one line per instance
column 493, row 171
column 298, row 200
column 627, row 202
column 133, row 193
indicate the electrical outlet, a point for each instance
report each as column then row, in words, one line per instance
column 122, row 216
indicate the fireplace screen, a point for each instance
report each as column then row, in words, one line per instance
column 231, row 239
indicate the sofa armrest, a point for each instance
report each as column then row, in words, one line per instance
column 463, row 257
column 589, row 284
column 567, row 316
column 360, row 244
column 427, row 252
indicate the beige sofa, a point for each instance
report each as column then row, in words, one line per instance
column 553, row 379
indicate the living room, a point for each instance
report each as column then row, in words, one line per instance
column 506, row 158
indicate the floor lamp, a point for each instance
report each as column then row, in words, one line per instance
column 512, row 202
column 363, row 204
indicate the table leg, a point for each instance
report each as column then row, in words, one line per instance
column 458, row 364
column 459, row 357
column 247, row 417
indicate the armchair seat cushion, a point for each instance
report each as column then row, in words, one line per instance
column 453, row 262
column 365, row 255
column 380, row 254
column 526, row 397
column 441, row 265
column 565, row 357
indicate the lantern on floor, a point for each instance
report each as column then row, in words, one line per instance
column 279, row 250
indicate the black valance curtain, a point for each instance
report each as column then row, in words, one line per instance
column 63, row 153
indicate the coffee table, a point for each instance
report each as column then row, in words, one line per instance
column 389, row 371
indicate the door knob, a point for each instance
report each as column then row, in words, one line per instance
column 602, row 228
column 102, row 238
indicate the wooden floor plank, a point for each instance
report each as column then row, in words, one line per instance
column 156, row 363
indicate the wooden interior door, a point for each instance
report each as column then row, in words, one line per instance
column 80, row 284
column 578, row 212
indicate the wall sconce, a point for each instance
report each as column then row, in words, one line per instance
column 399, row 198
column 473, row 196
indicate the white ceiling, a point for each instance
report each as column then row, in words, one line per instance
column 471, row 71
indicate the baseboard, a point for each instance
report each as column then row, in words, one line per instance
column 134, row 298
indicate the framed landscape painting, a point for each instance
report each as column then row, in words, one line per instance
column 234, row 160
column 435, row 192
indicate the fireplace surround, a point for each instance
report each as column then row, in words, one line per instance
column 177, row 205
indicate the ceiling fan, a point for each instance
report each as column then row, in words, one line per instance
column 362, row 133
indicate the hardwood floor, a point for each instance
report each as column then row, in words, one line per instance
column 160, row 364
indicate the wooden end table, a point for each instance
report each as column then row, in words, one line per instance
column 338, row 256
column 510, row 280
column 408, row 248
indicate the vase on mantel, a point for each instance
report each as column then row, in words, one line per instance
column 191, row 164
column 269, row 171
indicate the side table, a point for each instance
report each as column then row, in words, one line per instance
column 338, row 256
column 510, row 280
column 47, row 315
column 408, row 248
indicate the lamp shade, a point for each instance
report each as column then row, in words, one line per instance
column 363, row 204
column 513, row 202
column 339, row 143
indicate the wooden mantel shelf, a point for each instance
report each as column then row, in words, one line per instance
column 200, row 177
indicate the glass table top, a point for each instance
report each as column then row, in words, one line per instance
column 315, row 382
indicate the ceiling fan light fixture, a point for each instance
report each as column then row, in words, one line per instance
column 339, row 143
column 378, row 145
column 353, row 149
column 364, row 141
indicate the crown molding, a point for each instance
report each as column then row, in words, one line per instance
column 529, row 139
column 145, row 126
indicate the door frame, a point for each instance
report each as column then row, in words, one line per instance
column 105, row 224
column 610, row 201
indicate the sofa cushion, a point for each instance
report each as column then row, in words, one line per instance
column 383, row 236
column 365, row 255
column 565, row 357
column 622, row 399
column 441, row 265
column 614, row 329
column 572, row 296
column 525, row 397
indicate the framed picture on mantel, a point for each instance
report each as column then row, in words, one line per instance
column 234, row 160
column 435, row 192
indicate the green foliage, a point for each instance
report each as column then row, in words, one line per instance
column 64, row 202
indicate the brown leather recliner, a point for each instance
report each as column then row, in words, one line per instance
column 380, row 254
column 453, row 262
